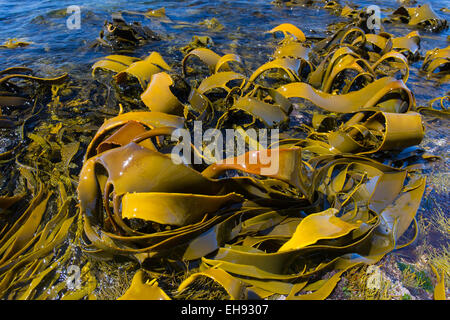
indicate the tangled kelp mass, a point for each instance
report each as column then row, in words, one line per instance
column 98, row 187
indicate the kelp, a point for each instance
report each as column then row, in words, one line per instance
column 142, row 70
column 437, row 62
column 345, row 59
column 131, row 198
column 212, row 24
column 355, row 101
column 439, row 289
column 430, row 107
column 380, row 130
column 26, row 244
column 422, row 16
column 119, row 35
column 139, row 290
column 14, row 43
column 342, row 195
column 197, row 42
column 18, row 103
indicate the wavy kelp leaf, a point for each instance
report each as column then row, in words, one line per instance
column 398, row 216
column 14, row 43
column 348, row 11
column 207, row 56
column 289, row 30
column 442, row 108
column 56, row 80
column 199, row 103
column 409, row 43
column 11, row 101
column 121, row 182
column 423, row 16
column 225, row 59
column 123, row 136
column 321, row 225
column 148, row 119
column 143, row 70
column 292, row 50
column 380, row 43
column 421, row 13
column 437, row 59
column 16, row 244
column 274, row 265
column 285, row 167
column 120, row 35
column 197, row 42
column 6, row 202
column 173, row 208
column 28, row 241
column 158, row 96
column 401, row 61
column 215, row 62
column 322, row 72
column 394, row 131
column 233, row 286
column 439, row 289
column 212, row 24
column 36, row 280
column 269, row 114
column 141, row 290
column 328, row 286
column 288, row 65
column 219, row 80
column 356, row 100
column 344, row 59
column 8, row 236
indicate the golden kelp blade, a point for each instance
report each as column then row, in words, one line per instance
column 218, row 80
column 442, row 108
column 289, row 29
column 439, row 289
column 233, row 286
column 175, row 209
column 158, row 13
column 321, row 225
column 143, row 70
column 56, row 80
column 207, row 56
column 421, row 13
column 437, row 59
column 353, row 101
column 409, row 43
column 158, row 97
column 148, row 119
column 421, row 16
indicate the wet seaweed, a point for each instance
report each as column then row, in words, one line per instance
column 341, row 198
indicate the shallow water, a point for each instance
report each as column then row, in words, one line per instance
column 56, row 49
